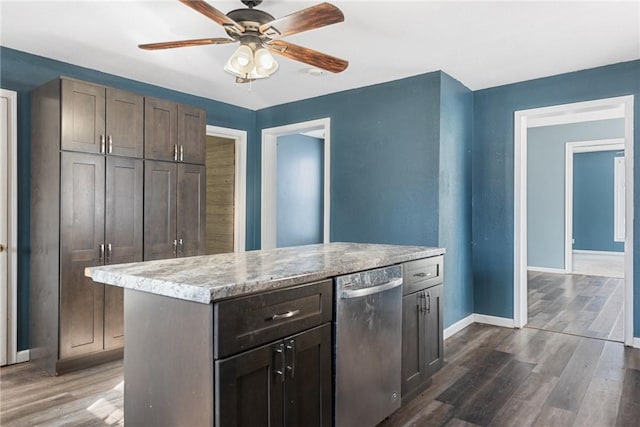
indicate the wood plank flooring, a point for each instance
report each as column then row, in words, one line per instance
column 588, row 306
column 508, row 377
column 492, row 377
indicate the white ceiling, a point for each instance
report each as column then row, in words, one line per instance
column 482, row 44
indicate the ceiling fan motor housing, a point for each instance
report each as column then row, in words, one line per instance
column 250, row 19
column 251, row 3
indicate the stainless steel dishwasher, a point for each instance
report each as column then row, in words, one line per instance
column 368, row 333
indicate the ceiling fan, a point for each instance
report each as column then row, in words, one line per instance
column 260, row 34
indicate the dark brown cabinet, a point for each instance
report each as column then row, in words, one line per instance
column 422, row 327
column 285, row 383
column 100, row 120
column 100, row 223
column 174, row 203
column 174, row 132
column 87, row 200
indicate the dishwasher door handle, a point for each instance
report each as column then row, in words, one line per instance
column 357, row 293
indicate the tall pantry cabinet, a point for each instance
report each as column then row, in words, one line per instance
column 88, row 202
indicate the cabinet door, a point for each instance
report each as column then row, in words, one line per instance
column 434, row 330
column 160, row 129
column 191, row 134
column 308, row 376
column 249, row 388
column 191, row 210
column 159, row 210
column 123, row 235
column 413, row 341
column 81, row 234
column 125, row 123
column 83, row 112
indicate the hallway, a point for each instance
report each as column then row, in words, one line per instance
column 588, row 306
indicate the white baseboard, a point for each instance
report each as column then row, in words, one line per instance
column 493, row 320
column 547, row 270
column 477, row 318
column 458, row 326
column 600, row 253
column 635, row 343
column 23, row 356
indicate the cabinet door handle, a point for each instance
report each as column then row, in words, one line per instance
column 101, row 254
column 428, row 302
column 175, row 152
column 286, row 315
column 420, row 275
column 182, row 153
column 279, row 354
column 109, row 251
column 180, row 246
column 290, row 347
column 110, row 144
column 101, row 144
column 174, row 251
column 422, row 304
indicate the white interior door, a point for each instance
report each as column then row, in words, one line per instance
column 4, row 222
column 8, row 230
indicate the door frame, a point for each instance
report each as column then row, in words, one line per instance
column 616, row 107
column 269, row 173
column 572, row 148
column 9, row 194
column 240, row 184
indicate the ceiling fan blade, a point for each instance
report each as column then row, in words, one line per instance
column 303, row 20
column 308, row 56
column 214, row 14
column 183, row 43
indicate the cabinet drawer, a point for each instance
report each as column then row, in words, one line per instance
column 244, row 323
column 422, row 274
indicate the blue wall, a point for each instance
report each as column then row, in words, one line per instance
column 546, row 186
column 299, row 190
column 593, row 191
column 22, row 72
column 384, row 158
column 492, row 169
column 456, row 126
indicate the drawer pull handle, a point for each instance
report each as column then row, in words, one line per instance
column 422, row 274
column 286, row 315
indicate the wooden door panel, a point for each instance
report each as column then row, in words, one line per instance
column 307, row 387
column 192, row 133
column 124, row 123
column 124, row 203
column 413, row 366
column 191, row 209
column 160, row 210
column 83, row 113
column 248, row 392
column 81, row 234
column 123, row 235
column 160, row 129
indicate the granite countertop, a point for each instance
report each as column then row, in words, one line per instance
column 209, row 278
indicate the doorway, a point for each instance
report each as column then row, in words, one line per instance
column 226, row 168
column 8, row 230
column 296, row 184
column 611, row 108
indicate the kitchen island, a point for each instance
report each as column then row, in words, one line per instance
column 204, row 334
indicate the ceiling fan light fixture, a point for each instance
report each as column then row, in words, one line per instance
column 265, row 62
column 241, row 62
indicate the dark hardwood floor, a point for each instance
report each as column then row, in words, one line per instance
column 507, row 377
column 589, row 306
column 492, row 377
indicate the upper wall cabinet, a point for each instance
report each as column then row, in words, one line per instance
column 96, row 119
column 174, row 132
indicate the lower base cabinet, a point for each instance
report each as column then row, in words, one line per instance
column 422, row 333
column 284, row 383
